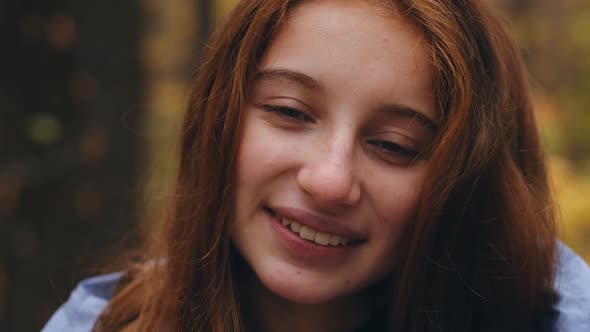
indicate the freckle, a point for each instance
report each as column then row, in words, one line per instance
column 298, row 272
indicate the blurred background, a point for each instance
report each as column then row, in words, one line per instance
column 91, row 94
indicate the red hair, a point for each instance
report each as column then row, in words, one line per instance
column 480, row 253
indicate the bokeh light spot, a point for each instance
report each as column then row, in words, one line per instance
column 44, row 129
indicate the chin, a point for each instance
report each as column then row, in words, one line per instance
column 304, row 287
column 299, row 292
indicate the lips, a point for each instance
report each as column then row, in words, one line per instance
column 316, row 236
column 314, row 228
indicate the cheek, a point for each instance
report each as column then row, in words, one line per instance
column 396, row 200
column 263, row 155
column 259, row 156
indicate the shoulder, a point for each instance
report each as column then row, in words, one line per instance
column 85, row 304
column 572, row 283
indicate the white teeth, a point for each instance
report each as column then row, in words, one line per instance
column 322, row 238
column 309, row 234
column 335, row 240
column 295, row 226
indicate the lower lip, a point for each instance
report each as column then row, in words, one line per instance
column 307, row 249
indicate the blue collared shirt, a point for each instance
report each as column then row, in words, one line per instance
column 572, row 283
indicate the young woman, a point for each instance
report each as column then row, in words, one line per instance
column 352, row 165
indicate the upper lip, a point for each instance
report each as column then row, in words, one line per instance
column 318, row 222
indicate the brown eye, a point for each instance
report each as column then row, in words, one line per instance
column 287, row 113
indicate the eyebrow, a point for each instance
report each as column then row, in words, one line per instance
column 313, row 84
column 290, row 75
column 407, row 112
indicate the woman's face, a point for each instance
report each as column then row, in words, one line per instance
column 329, row 169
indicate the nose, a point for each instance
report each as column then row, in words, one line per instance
column 331, row 178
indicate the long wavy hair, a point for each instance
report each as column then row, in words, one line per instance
column 480, row 255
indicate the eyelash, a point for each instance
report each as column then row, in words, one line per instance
column 287, row 112
column 395, row 150
column 391, row 149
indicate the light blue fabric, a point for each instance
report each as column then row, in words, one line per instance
column 86, row 302
column 572, row 283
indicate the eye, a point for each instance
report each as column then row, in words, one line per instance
column 393, row 152
column 287, row 113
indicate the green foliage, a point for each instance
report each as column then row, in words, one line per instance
column 555, row 40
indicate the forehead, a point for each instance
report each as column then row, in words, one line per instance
column 318, row 22
column 356, row 49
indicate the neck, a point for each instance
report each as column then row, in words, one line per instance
column 268, row 312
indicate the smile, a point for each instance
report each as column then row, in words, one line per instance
column 308, row 233
column 302, row 224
